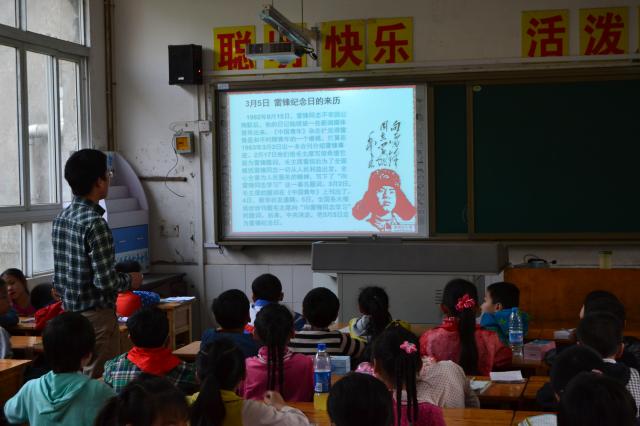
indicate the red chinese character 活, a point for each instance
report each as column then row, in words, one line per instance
column 346, row 42
column 610, row 33
column 550, row 45
column 297, row 63
column 232, row 48
column 392, row 43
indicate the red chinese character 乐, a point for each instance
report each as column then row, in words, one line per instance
column 346, row 42
column 391, row 43
column 610, row 33
column 550, row 45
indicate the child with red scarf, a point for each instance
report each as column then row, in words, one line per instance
column 149, row 331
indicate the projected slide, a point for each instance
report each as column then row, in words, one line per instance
column 323, row 161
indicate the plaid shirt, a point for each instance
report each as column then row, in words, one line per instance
column 119, row 371
column 84, row 258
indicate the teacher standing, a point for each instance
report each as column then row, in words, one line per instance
column 84, row 256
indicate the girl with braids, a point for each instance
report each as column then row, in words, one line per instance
column 373, row 303
column 221, row 368
column 277, row 368
column 459, row 339
column 397, row 363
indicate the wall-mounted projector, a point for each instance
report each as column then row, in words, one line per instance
column 281, row 52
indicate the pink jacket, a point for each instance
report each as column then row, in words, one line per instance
column 298, row 377
column 428, row 415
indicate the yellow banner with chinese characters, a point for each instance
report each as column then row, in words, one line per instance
column 229, row 45
column 389, row 41
column 604, row 31
column 272, row 36
column 545, row 33
column 343, row 47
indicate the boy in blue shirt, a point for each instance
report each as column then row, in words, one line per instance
column 499, row 300
column 231, row 310
column 267, row 289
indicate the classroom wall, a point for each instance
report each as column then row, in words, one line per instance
column 445, row 31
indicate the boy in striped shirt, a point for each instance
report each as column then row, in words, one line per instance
column 320, row 308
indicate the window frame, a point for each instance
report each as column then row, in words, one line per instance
column 56, row 50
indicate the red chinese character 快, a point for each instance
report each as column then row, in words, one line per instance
column 392, row 43
column 346, row 42
column 610, row 33
column 550, row 45
column 232, row 50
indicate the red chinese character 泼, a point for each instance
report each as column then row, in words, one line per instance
column 610, row 33
column 550, row 45
column 392, row 43
column 232, row 48
column 346, row 42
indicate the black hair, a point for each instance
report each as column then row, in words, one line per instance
column 504, row 293
column 601, row 331
column 142, row 402
column 67, row 339
column 604, row 301
column 83, row 169
column 454, row 291
column 571, row 362
column 401, row 365
column 220, row 366
column 360, row 400
column 231, row 309
column 148, row 327
column 594, row 399
column 267, row 287
column 128, row 266
column 273, row 325
column 41, row 296
column 374, row 302
column 3, row 287
column 17, row 273
column 320, row 307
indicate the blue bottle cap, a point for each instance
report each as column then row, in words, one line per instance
column 322, row 346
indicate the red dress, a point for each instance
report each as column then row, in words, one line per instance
column 443, row 343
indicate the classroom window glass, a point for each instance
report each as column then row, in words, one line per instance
column 9, row 141
column 10, row 247
column 56, row 18
column 42, row 248
column 8, row 12
column 69, row 113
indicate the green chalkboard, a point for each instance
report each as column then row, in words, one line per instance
column 552, row 158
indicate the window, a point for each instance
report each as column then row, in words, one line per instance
column 43, row 119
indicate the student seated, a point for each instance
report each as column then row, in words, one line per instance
column 570, row 363
column 18, row 291
column 360, row 400
column 500, row 299
column 459, row 339
column 131, row 301
column 149, row 333
column 221, row 368
column 48, row 312
column 373, row 303
column 146, row 401
column 397, row 363
column 63, row 395
column 593, row 399
column 5, row 339
column 320, row 308
column 267, row 289
column 602, row 332
column 276, row 367
column 231, row 310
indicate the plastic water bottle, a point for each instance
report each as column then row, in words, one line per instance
column 516, row 333
column 321, row 377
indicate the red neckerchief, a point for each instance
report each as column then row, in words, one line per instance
column 158, row 361
column 451, row 324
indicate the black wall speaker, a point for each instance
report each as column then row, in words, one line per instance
column 185, row 64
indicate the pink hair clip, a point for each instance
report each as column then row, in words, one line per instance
column 408, row 347
column 465, row 302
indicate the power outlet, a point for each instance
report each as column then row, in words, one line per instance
column 204, row 126
column 169, row 231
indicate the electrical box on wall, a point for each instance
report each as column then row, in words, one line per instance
column 183, row 142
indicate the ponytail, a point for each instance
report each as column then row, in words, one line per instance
column 374, row 302
column 273, row 325
column 220, row 366
column 460, row 298
column 395, row 352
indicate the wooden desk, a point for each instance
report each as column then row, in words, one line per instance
column 521, row 415
column 11, row 371
column 188, row 352
column 501, row 392
column 319, row 417
column 538, row 368
column 26, row 346
column 26, row 327
column 476, row 417
column 166, row 285
column 533, row 386
column 180, row 322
